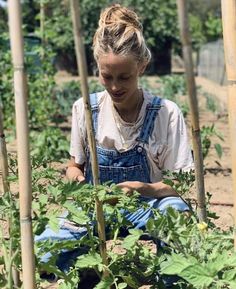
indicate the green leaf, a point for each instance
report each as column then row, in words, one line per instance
column 88, row 260
column 130, row 240
column 130, row 281
column 122, row 285
column 43, row 199
column 221, row 261
column 232, row 284
column 136, row 232
column 105, row 283
column 229, row 275
column 219, row 150
column 54, row 223
column 55, row 191
column 197, row 275
column 176, row 263
column 78, row 215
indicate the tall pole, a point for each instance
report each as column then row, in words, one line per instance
column 229, row 34
column 42, row 27
column 22, row 132
column 82, row 67
column 193, row 102
column 6, row 189
column 3, row 154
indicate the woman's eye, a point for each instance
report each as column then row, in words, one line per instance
column 105, row 76
column 125, row 78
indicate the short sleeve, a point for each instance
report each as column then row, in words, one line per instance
column 78, row 133
column 177, row 154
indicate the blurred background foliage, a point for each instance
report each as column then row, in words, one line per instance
column 50, row 20
column 49, row 47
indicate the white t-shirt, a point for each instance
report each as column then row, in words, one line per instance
column 167, row 149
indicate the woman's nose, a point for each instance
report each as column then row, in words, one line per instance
column 114, row 86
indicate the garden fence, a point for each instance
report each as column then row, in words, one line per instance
column 211, row 63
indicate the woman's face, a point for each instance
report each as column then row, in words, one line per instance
column 119, row 75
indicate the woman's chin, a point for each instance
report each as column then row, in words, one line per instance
column 118, row 98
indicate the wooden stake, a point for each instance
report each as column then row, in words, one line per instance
column 229, row 34
column 3, row 155
column 82, row 67
column 6, row 188
column 24, row 166
column 193, row 102
column 42, row 27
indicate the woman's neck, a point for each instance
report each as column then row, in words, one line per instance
column 130, row 112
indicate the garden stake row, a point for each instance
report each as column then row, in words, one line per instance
column 82, row 67
column 22, row 131
column 229, row 35
column 193, row 103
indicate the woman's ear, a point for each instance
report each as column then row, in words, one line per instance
column 142, row 68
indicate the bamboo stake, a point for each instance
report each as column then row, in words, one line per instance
column 229, row 35
column 42, row 29
column 6, row 188
column 196, row 137
column 82, row 66
column 24, row 167
column 3, row 155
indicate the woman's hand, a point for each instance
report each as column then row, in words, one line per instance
column 75, row 172
column 129, row 187
column 151, row 190
column 80, row 179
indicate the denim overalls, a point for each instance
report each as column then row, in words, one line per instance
column 131, row 165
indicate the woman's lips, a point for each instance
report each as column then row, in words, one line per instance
column 118, row 94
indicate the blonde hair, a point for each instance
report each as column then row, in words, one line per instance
column 120, row 32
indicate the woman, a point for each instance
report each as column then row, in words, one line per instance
column 138, row 135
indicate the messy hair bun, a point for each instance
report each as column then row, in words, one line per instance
column 120, row 32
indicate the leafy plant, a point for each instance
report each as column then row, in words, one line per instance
column 43, row 175
column 9, row 239
column 41, row 102
column 190, row 245
column 50, row 144
column 193, row 251
column 213, row 26
column 70, row 91
column 211, row 103
column 172, row 87
column 206, row 133
column 6, row 83
column 181, row 181
column 85, row 216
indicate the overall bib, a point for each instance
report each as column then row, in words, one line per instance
column 131, row 165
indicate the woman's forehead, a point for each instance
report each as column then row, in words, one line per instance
column 113, row 61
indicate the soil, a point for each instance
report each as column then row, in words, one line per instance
column 218, row 176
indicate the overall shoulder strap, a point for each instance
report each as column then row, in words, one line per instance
column 150, row 116
column 94, row 107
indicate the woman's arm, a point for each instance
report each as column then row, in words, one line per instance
column 152, row 190
column 75, row 172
